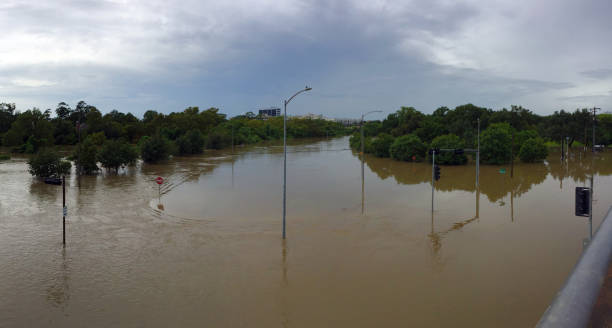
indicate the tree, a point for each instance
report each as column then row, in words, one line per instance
column 381, row 145
column 533, row 150
column 495, row 144
column 355, row 143
column 191, row 142
column 408, row 148
column 116, row 154
column 31, row 131
column 47, row 163
column 87, row 160
column 449, row 141
column 154, row 149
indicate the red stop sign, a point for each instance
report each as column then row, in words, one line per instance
column 159, row 180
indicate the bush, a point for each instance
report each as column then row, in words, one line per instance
column 88, row 161
column 407, row 147
column 4, row 157
column 153, row 149
column 47, row 163
column 495, row 144
column 448, row 141
column 381, row 145
column 191, row 142
column 355, row 143
column 219, row 138
column 533, row 150
column 115, row 154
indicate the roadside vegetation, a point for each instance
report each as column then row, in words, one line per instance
column 115, row 140
column 407, row 134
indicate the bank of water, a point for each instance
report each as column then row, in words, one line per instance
column 208, row 251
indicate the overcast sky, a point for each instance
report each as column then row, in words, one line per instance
column 359, row 55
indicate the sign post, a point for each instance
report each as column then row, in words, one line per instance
column 159, row 181
column 64, row 210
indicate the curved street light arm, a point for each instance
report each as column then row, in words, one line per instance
column 297, row 93
column 370, row 112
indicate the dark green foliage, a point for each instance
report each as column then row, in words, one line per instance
column 496, row 144
column 116, row 154
column 533, row 150
column 219, row 138
column 408, row 148
column 191, row 142
column 448, row 141
column 47, row 163
column 154, row 149
column 87, row 162
column 355, row 143
column 31, row 131
column 381, row 145
column 4, row 157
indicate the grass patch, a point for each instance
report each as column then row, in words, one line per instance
column 552, row 144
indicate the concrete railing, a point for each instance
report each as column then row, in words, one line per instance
column 573, row 305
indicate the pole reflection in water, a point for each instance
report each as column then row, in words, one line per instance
column 58, row 293
column 285, row 286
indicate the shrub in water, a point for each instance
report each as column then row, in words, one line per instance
column 533, row 150
column 448, row 141
column 381, row 144
column 408, row 148
column 47, row 163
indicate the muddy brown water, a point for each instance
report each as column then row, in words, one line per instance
column 208, row 251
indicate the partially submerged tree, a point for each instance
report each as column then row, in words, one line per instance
column 48, row 163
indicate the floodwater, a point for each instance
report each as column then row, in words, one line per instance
column 207, row 251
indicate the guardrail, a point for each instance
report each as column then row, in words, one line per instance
column 573, row 305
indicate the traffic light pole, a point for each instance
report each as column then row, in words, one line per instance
column 433, row 169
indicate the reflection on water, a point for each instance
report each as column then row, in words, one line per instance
column 362, row 251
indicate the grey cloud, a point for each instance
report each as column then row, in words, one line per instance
column 601, row 74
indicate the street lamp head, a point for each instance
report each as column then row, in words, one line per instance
column 307, row 88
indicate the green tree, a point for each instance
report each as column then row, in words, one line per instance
column 154, row 149
column 448, row 141
column 533, row 150
column 86, row 155
column 495, row 144
column 355, row 143
column 30, row 131
column 191, row 142
column 116, row 154
column 408, row 148
column 381, row 145
column 47, row 163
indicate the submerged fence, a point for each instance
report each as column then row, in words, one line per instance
column 573, row 305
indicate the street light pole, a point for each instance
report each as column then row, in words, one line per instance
column 594, row 119
column 478, row 157
column 285, row 156
column 363, row 156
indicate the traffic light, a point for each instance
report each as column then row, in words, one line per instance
column 437, row 172
column 459, row 151
column 583, row 201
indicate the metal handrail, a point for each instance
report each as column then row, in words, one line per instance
column 573, row 305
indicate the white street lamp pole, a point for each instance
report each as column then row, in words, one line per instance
column 285, row 156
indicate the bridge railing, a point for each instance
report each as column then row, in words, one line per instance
column 573, row 305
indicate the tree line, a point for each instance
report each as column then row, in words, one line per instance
column 407, row 134
column 116, row 139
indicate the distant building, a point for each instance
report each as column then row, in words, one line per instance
column 270, row 112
